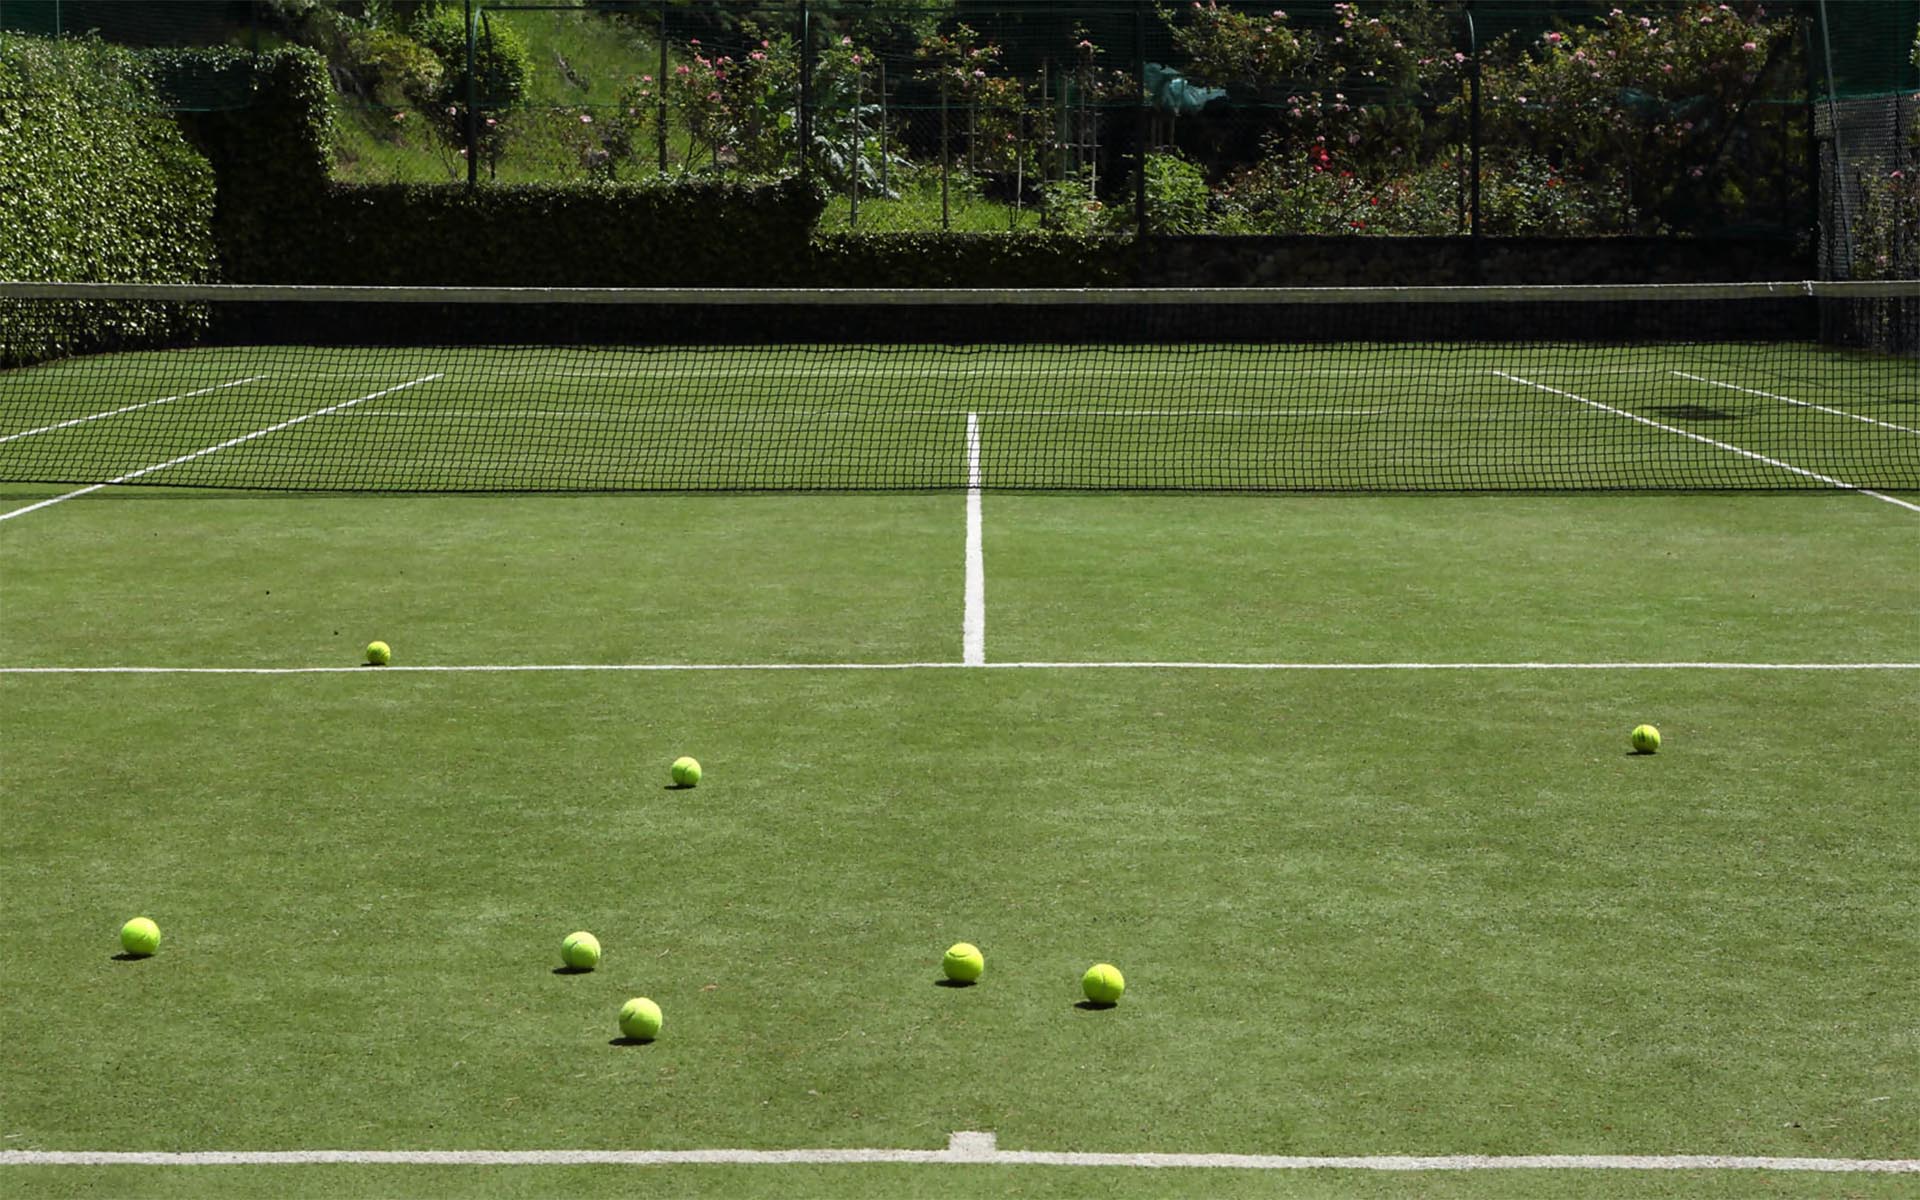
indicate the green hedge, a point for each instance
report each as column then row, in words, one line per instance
column 556, row 235
column 99, row 186
column 986, row 260
column 263, row 122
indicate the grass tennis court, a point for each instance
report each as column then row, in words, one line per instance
column 1360, row 912
column 1340, row 782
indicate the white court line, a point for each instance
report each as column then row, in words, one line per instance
column 127, row 408
column 677, row 415
column 963, row 1149
column 1718, row 445
column 973, row 621
column 203, row 452
column 536, row 668
column 1838, row 412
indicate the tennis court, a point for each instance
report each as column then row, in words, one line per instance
column 1295, row 683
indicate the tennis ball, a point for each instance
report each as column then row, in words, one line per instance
column 686, row 772
column 379, row 653
column 1646, row 739
column 1103, row 983
column 140, row 936
column 640, row 1018
column 581, row 951
column 964, row 962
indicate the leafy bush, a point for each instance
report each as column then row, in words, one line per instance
column 1649, row 103
column 1176, row 195
column 99, row 186
column 396, row 71
column 501, row 68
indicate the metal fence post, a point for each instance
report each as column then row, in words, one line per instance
column 1473, row 132
column 473, row 116
column 1141, row 117
column 806, row 91
column 660, row 132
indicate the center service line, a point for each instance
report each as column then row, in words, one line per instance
column 973, row 622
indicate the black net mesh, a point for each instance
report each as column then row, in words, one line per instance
column 1676, row 387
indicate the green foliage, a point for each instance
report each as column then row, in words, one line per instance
column 498, row 84
column 98, row 185
column 395, row 70
column 270, row 153
column 1649, row 102
column 969, row 260
column 552, row 235
column 1176, row 195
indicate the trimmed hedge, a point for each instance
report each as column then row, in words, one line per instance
column 984, row 260
column 556, row 235
column 99, row 187
column 263, row 122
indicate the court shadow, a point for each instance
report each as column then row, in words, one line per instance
column 678, row 787
column 1691, row 412
column 629, row 1041
column 573, row 970
column 955, row 983
column 1095, row 1006
column 123, row 956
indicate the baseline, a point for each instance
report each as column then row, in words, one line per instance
column 555, row 668
column 966, row 1149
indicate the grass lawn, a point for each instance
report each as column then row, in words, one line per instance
column 1360, row 912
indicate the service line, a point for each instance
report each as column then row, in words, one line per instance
column 215, row 449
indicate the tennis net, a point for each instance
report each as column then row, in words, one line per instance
column 1668, row 387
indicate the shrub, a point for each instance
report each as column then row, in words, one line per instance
column 99, row 186
column 1176, row 195
column 1650, row 102
column 396, row 71
column 501, row 68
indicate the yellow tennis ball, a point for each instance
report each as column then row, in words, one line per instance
column 1646, row 739
column 686, row 772
column 964, row 962
column 1103, row 983
column 640, row 1018
column 580, row 951
column 140, row 936
column 379, row 653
